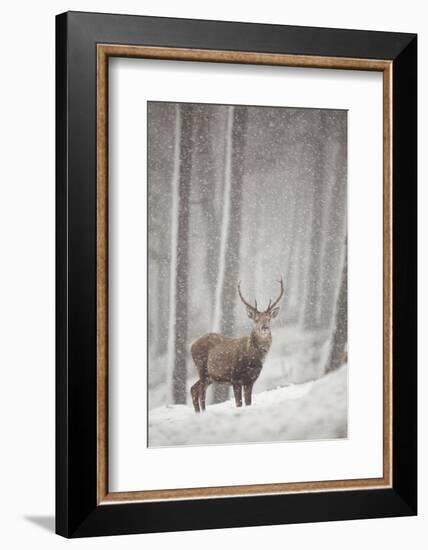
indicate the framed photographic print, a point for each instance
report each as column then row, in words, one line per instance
column 236, row 274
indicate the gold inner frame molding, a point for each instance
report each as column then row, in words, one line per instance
column 104, row 52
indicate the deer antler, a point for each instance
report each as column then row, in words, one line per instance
column 271, row 306
column 245, row 302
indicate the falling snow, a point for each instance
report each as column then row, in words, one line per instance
column 250, row 194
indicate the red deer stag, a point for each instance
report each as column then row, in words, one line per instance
column 234, row 361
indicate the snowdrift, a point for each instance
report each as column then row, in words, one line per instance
column 313, row 410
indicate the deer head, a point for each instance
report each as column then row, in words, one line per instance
column 261, row 330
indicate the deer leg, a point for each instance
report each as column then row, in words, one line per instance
column 203, row 393
column 237, row 392
column 194, row 392
column 248, row 390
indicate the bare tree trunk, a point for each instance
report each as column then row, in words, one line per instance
column 293, row 273
column 160, row 168
column 254, row 253
column 180, row 253
column 259, row 249
column 228, row 279
column 290, row 226
column 154, row 332
column 219, row 393
column 163, row 303
column 206, row 181
column 338, row 353
column 225, row 220
column 299, row 257
column 335, row 232
column 312, row 300
column 232, row 266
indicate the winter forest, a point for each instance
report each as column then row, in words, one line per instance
column 250, row 194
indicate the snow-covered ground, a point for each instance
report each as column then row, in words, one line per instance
column 312, row 410
column 296, row 356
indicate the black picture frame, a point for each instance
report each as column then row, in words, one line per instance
column 77, row 511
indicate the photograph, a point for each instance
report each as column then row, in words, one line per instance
column 213, row 260
column 247, row 274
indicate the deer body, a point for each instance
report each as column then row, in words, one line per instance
column 233, row 361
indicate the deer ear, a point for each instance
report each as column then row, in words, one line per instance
column 274, row 313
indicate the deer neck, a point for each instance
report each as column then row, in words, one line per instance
column 260, row 345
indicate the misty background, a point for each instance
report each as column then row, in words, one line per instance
column 250, row 194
